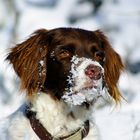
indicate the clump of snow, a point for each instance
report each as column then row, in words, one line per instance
column 83, row 89
column 89, row 95
column 41, row 62
column 42, row 68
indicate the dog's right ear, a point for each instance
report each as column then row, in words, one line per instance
column 29, row 61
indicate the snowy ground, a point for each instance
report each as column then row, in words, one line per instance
column 120, row 21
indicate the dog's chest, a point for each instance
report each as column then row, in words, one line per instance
column 58, row 118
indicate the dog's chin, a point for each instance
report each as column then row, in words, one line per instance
column 87, row 95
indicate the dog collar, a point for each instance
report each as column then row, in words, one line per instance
column 43, row 134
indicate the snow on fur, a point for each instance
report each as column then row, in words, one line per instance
column 78, row 93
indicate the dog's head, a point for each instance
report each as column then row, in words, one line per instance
column 68, row 63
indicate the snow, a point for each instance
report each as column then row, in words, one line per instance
column 120, row 21
column 80, row 92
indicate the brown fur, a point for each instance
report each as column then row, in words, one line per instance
column 26, row 56
column 113, row 67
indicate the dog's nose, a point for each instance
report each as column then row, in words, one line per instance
column 93, row 72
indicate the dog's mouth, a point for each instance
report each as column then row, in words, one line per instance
column 86, row 82
column 86, row 95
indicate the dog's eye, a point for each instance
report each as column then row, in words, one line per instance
column 99, row 56
column 64, row 54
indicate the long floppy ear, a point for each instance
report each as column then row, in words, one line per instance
column 113, row 66
column 29, row 61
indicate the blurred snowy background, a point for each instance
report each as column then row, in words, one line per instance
column 119, row 19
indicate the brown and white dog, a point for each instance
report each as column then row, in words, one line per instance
column 63, row 71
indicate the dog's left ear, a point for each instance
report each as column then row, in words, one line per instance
column 113, row 66
column 29, row 61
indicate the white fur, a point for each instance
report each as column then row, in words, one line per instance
column 54, row 116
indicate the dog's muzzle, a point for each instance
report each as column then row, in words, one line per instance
column 86, row 81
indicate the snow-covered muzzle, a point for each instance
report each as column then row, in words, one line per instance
column 86, row 81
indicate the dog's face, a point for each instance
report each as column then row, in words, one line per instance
column 75, row 65
column 72, row 64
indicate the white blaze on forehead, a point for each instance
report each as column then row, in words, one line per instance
column 77, row 94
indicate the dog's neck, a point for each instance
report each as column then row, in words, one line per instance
column 57, row 117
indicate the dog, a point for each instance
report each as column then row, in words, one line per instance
column 63, row 72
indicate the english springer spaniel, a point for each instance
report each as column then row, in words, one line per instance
column 63, row 72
